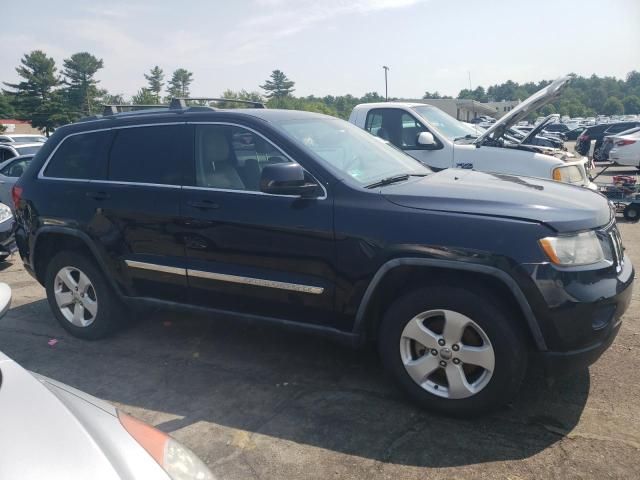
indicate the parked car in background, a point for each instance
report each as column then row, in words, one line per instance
column 304, row 220
column 440, row 141
column 12, row 150
column 7, row 240
column 590, row 141
column 609, row 140
column 22, row 138
column 554, row 127
column 10, row 171
column 574, row 133
column 54, row 431
column 626, row 149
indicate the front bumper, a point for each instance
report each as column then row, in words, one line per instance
column 580, row 312
column 7, row 239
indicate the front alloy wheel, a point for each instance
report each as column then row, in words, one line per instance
column 447, row 354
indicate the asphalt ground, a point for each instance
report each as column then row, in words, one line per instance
column 259, row 402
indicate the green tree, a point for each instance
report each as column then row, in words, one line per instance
column 548, row 110
column 241, row 95
column 631, row 104
column 144, row 97
column 82, row 90
column 33, row 94
column 6, row 108
column 155, row 81
column 278, row 85
column 431, row 95
column 52, row 113
column 179, row 83
column 613, row 106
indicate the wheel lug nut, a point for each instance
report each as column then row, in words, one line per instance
column 456, row 361
column 455, row 347
column 443, row 363
column 434, row 352
column 441, row 342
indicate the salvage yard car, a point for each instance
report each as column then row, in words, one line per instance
column 54, row 431
column 307, row 221
column 440, row 141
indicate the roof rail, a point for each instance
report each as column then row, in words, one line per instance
column 120, row 108
column 180, row 103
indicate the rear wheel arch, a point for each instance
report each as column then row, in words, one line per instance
column 51, row 240
column 401, row 275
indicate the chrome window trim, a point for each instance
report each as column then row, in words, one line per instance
column 155, row 267
column 232, row 124
column 256, row 282
column 41, row 175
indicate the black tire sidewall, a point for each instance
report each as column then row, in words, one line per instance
column 627, row 211
column 506, row 338
column 107, row 317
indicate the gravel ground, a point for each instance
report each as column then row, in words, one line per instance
column 257, row 402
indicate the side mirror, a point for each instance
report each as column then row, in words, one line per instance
column 426, row 139
column 286, row 179
column 5, row 298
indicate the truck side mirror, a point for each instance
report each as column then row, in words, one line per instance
column 426, row 139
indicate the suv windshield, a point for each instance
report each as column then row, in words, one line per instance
column 350, row 150
column 445, row 124
column 26, row 150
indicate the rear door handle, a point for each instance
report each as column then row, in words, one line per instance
column 203, row 204
column 98, row 195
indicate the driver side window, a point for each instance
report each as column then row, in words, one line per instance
column 410, row 131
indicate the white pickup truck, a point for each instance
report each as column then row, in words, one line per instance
column 440, row 141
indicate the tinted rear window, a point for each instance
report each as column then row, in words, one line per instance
column 80, row 156
column 150, row 154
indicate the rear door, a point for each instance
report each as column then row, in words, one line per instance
column 137, row 208
column 250, row 252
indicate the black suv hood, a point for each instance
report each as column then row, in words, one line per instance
column 563, row 207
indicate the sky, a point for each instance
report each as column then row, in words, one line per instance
column 330, row 47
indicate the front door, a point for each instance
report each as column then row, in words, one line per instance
column 402, row 129
column 250, row 252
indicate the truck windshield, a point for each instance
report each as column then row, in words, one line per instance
column 447, row 125
column 349, row 150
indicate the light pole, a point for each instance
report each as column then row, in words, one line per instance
column 386, row 90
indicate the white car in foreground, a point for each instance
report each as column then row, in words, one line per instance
column 626, row 150
column 440, row 141
column 49, row 430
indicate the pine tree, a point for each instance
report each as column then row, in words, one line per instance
column 179, row 83
column 155, row 80
column 82, row 88
column 278, row 86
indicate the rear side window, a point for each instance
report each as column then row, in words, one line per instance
column 153, row 154
column 80, row 156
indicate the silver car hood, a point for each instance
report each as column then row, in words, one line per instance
column 538, row 100
column 53, row 431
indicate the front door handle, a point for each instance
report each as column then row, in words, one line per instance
column 98, row 195
column 203, row 204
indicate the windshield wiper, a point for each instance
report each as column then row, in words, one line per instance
column 394, row 179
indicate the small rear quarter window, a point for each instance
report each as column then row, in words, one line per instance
column 81, row 156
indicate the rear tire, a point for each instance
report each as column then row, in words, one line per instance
column 474, row 355
column 632, row 212
column 80, row 298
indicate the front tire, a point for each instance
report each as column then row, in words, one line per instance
column 632, row 212
column 453, row 350
column 80, row 298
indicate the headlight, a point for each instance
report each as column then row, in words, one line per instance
column 579, row 249
column 5, row 212
column 568, row 174
column 178, row 461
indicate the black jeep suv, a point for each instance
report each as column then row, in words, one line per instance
column 304, row 220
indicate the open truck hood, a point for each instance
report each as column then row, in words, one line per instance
column 538, row 100
column 532, row 134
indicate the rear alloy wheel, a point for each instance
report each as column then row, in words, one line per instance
column 76, row 296
column 456, row 350
column 80, row 298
